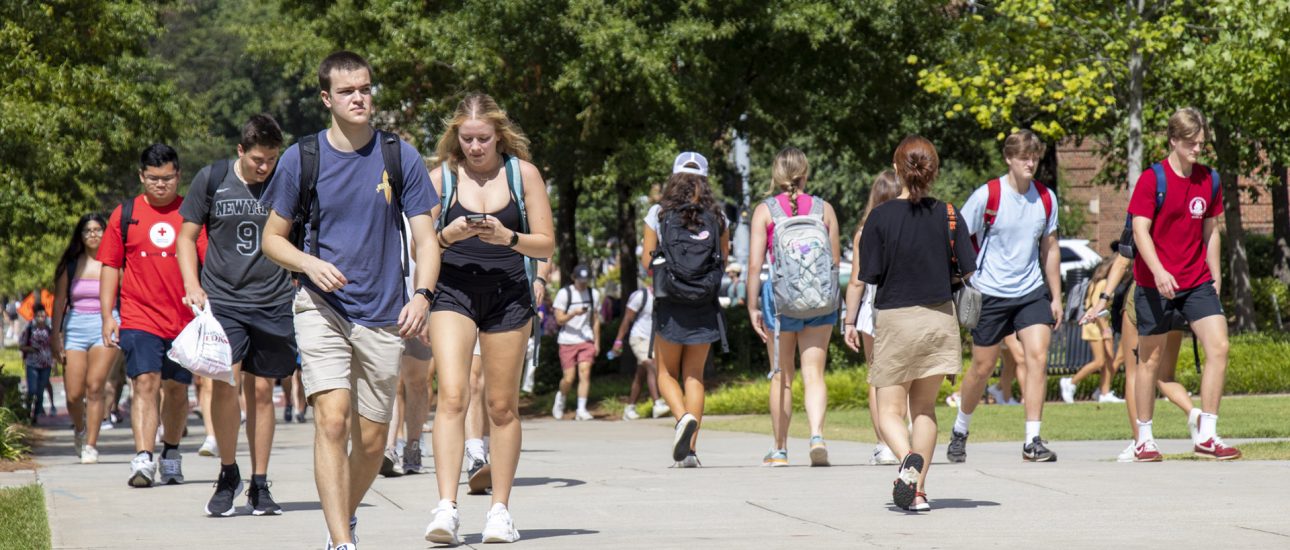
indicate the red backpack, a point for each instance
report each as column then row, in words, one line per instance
column 992, row 207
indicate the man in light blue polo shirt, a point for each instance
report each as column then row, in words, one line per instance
column 1018, row 275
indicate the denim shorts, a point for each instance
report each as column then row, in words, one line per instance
column 789, row 324
column 84, row 330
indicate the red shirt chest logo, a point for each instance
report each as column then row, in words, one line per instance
column 1197, row 207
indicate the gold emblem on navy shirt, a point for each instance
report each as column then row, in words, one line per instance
column 385, row 186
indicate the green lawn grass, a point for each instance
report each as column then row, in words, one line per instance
column 23, row 523
column 1242, row 417
column 11, row 358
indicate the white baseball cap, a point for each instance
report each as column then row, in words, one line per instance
column 700, row 164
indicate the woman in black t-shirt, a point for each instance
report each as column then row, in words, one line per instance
column 907, row 251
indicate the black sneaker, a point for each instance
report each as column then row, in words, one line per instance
column 1036, row 451
column 286, row 414
column 957, row 449
column 227, row 487
column 300, row 417
column 905, row 488
column 479, row 477
column 261, row 501
column 391, row 464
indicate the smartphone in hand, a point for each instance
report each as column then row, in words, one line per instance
column 476, row 218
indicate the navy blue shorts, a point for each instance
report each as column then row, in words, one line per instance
column 145, row 353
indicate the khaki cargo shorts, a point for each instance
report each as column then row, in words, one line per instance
column 336, row 354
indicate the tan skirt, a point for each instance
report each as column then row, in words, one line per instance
column 915, row 342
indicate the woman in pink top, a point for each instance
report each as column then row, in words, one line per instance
column 811, row 336
column 78, row 333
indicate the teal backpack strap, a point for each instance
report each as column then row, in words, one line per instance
column 447, row 192
column 515, row 183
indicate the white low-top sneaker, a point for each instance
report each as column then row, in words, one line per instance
column 582, row 414
column 1127, row 454
column 142, row 471
column 499, row 527
column 444, row 524
column 660, row 408
column 209, row 447
column 1068, row 389
column 89, row 455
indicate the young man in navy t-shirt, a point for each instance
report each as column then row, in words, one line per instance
column 1177, row 270
column 352, row 311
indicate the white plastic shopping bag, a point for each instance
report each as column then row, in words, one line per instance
column 203, row 347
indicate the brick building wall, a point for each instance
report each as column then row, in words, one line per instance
column 1104, row 205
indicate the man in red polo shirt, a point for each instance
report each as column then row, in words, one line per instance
column 1178, row 275
column 144, row 268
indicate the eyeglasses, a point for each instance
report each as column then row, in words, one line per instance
column 92, row 231
column 161, row 179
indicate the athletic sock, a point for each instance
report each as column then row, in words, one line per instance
column 486, row 447
column 582, row 403
column 1032, row 430
column 259, row 480
column 962, row 421
column 166, row 447
column 149, row 453
column 1208, row 426
column 475, row 448
column 1144, row 432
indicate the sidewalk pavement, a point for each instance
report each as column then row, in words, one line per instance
column 607, row 484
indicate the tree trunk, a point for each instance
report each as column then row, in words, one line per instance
column 1238, row 264
column 1046, row 172
column 1137, row 70
column 1281, row 223
column 627, row 260
column 566, row 234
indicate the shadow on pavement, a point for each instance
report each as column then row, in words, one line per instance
column 308, row 506
column 531, row 534
column 949, row 503
column 536, row 481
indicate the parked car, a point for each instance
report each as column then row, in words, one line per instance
column 1077, row 254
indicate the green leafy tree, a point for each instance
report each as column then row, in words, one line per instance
column 79, row 98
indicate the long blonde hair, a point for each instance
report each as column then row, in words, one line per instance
column 480, row 106
column 885, row 187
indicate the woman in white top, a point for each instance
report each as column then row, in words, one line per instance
column 859, row 324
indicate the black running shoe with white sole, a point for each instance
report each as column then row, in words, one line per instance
column 479, row 477
column 957, row 449
column 1037, row 451
column 685, row 428
column 261, row 501
column 227, row 487
column 905, row 488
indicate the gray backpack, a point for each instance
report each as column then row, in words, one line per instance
column 802, row 274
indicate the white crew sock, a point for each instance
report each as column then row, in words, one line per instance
column 582, row 404
column 1144, row 432
column 486, row 447
column 962, row 421
column 475, row 448
column 1208, row 426
column 1032, row 430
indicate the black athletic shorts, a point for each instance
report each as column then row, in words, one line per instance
column 493, row 308
column 1158, row 315
column 262, row 338
column 1003, row 316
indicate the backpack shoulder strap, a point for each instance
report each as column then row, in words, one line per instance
column 1162, row 185
column 777, row 212
column 215, row 178
column 1214, row 183
column 127, row 220
column 817, row 206
column 1046, row 197
column 308, row 196
column 392, row 154
column 952, row 222
column 993, row 192
column 515, row 182
column 447, row 192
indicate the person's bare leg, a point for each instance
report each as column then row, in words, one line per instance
column 873, row 392
column 1034, row 345
column 75, row 372
column 503, row 358
column 584, row 380
column 204, row 391
column 396, row 416
column 226, row 417
column 1108, row 372
column 365, row 456
column 145, row 410
column 1129, row 348
column 100, row 364
column 634, row 394
column 1098, row 363
column 667, row 355
column 694, row 358
column 1150, row 350
column 261, row 422
column 814, row 343
column 1175, row 392
column 476, row 415
column 781, row 387
column 976, row 377
column 651, row 378
column 174, row 410
column 893, row 404
column 922, row 408
column 1008, row 374
column 302, row 404
column 1212, row 332
column 414, row 375
column 331, row 460
column 452, row 337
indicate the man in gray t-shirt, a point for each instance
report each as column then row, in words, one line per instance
column 250, row 296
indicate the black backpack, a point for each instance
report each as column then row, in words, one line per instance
column 391, row 152
column 692, row 260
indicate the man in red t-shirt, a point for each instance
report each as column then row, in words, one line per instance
column 146, row 272
column 1178, row 277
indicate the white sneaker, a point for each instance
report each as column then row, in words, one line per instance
column 1109, row 397
column 882, row 456
column 557, row 410
column 630, row 413
column 142, row 471
column 1068, row 389
column 499, row 527
column 952, row 400
column 1127, row 454
column 996, row 394
column 172, row 468
column 209, row 447
column 582, row 414
column 443, row 526
column 660, row 408
column 1193, row 425
column 89, row 455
